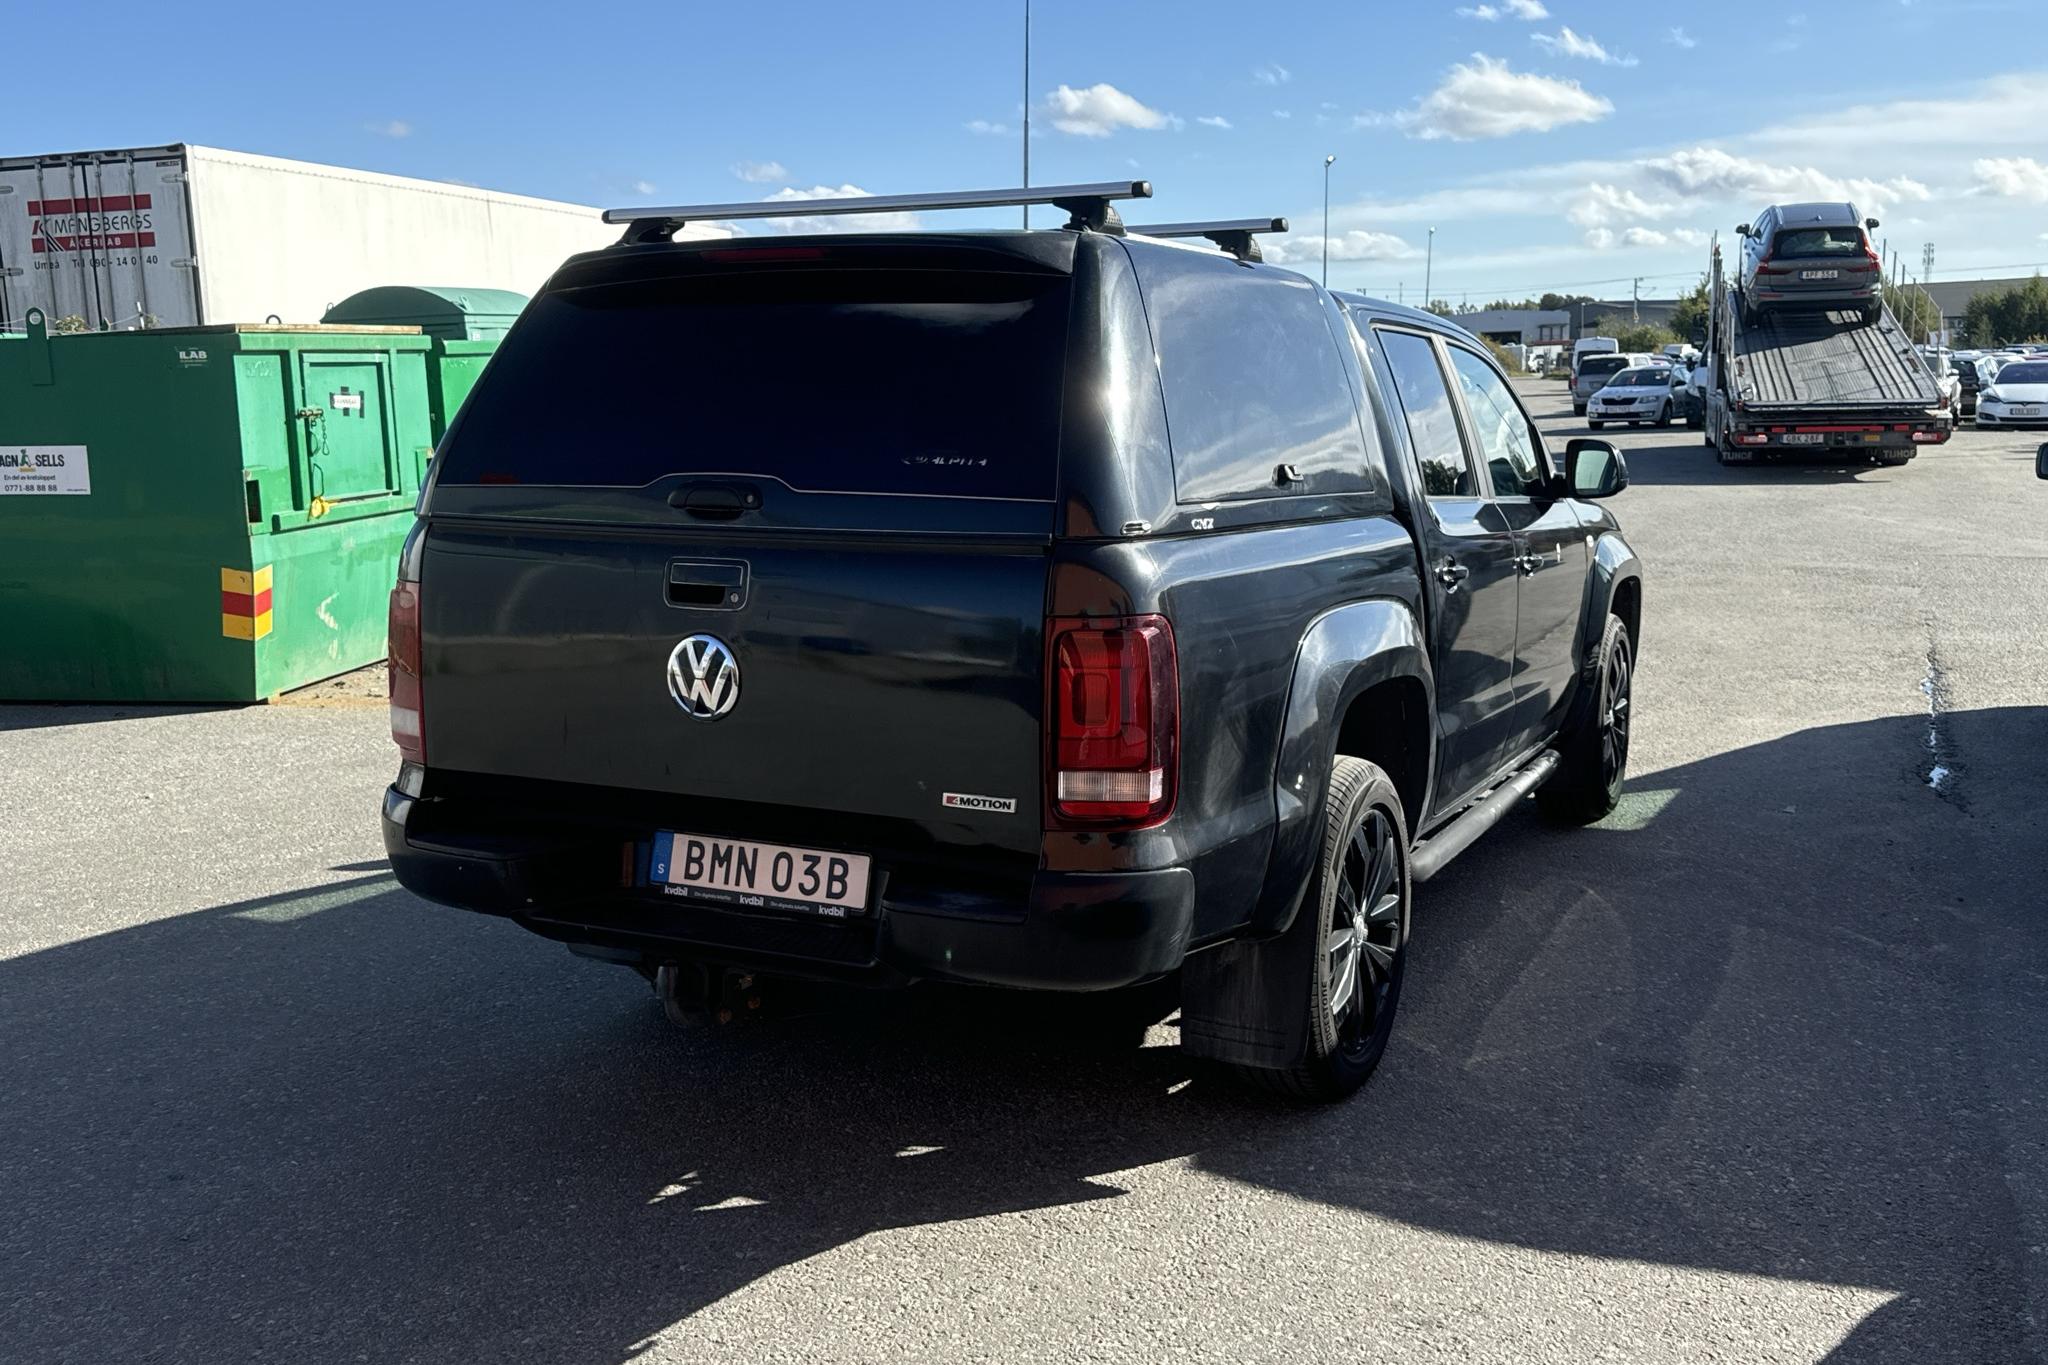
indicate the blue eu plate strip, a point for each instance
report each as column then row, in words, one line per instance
column 658, row 857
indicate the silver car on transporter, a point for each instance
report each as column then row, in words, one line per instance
column 1809, row 256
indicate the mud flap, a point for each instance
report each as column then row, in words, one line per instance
column 1246, row 1002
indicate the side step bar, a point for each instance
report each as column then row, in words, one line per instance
column 1429, row 856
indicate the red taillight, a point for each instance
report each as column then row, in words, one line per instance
column 1113, row 721
column 408, row 730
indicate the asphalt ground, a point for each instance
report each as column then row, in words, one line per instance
column 1752, row 1072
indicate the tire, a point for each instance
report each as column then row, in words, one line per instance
column 1726, row 453
column 1363, row 863
column 1587, row 786
column 1868, row 312
column 1696, row 422
column 1595, row 425
column 1664, row 415
column 1578, row 409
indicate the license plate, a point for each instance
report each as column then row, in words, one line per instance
column 747, row 875
column 1820, row 274
column 2026, row 409
column 1803, row 439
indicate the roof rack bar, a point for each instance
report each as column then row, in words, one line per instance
column 1088, row 206
column 1238, row 236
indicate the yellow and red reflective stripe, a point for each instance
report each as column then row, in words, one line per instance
column 245, row 603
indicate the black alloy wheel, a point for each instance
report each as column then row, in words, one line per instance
column 1614, row 713
column 1362, row 951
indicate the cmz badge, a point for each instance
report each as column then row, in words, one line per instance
column 1004, row 805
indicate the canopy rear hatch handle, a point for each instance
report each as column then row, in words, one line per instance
column 716, row 501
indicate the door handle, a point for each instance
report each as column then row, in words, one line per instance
column 1451, row 573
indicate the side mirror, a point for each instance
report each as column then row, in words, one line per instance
column 1870, row 223
column 1742, row 229
column 1595, row 469
column 2041, row 462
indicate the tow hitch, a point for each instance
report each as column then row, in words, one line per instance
column 691, row 992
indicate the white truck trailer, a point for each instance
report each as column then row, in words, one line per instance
column 182, row 235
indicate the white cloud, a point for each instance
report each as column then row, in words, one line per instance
column 1487, row 99
column 1599, row 204
column 1346, row 246
column 760, row 172
column 1710, row 173
column 1642, row 236
column 1566, row 43
column 1599, row 238
column 1213, row 121
column 1678, row 37
column 1100, row 110
column 1283, row 113
column 396, row 127
column 1529, row 11
column 852, row 222
column 2003, row 111
column 643, row 187
column 2015, row 177
column 983, row 126
column 1272, row 73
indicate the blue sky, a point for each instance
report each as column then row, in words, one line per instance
column 1552, row 143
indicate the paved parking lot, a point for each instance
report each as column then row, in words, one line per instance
column 1752, row 1072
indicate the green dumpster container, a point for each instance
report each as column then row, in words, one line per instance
column 203, row 513
column 466, row 325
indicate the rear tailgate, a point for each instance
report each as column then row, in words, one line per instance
column 873, row 674
column 834, row 465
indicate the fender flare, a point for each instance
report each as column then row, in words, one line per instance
column 1342, row 653
column 1614, row 564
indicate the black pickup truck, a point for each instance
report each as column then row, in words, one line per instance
column 1058, row 609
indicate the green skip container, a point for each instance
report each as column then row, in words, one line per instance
column 203, row 514
column 465, row 325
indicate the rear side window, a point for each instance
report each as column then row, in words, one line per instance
column 930, row 382
column 1432, row 424
column 1253, row 379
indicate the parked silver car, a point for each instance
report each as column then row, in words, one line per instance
column 1809, row 256
column 1595, row 370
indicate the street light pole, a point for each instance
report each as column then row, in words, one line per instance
column 1326, row 218
column 1027, row 107
column 1428, row 269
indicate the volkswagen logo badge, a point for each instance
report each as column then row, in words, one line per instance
column 703, row 676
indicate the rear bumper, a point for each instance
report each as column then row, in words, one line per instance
column 1817, row 299
column 1070, row 932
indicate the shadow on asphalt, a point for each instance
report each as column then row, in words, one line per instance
column 46, row 715
column 1691, row 462
column 1741, row 1027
